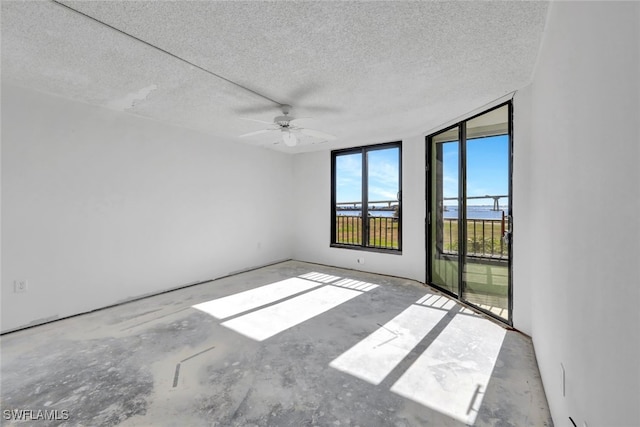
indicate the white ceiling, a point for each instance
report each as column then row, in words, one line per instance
column 366, row 72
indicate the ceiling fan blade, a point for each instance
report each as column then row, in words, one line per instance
column 317, row 108
column 317, row 134
column 299, row 118
column 258, row 132
column 302, row 91
column 257, row 121
column 258, row 109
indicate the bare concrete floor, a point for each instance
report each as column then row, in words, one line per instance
column 292, row 344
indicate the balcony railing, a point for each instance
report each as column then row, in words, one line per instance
column 383, row 231
column 484, row 237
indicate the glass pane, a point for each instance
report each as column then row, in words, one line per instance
column 444, row 262
column 486, row 268
column 348, row 190
column 383, row 187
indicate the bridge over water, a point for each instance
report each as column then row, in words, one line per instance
column 496, row 200
column 356, row 205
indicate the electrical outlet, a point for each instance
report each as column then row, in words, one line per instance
column 360, row 260
column 20, row 286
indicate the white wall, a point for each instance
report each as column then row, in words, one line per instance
column 99, row 207
column 312, row 192
column 522, row 231
column 583, row 201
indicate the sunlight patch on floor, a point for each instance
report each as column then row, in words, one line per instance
column 373, row 358
column 452, row 374
column 319, row 277
column 436, row 301
column 231, row 305
column 267, row 322
column 355, row 284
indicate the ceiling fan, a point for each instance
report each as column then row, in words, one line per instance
column 288, row 129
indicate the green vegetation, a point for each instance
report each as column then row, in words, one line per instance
column 484, row 237
column 349, row 230
column 383, row 231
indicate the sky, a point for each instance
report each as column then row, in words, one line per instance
column 487, row 169
column 487, row 172
column 383, row 176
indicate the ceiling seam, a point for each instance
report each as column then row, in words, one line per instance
column 169, row 53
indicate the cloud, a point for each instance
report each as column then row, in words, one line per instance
column 378, row 193
column 344, row 181
column 385, row 172
column 450, row 185
column 349, row 166
column 383, row 175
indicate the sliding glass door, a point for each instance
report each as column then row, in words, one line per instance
column 443, row 224
column 469, row 221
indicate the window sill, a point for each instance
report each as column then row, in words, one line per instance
column 367, row 249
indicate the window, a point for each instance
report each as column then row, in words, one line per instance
column 366, row 209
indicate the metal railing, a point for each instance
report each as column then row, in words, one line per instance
column 382, row 231
column 484, row 237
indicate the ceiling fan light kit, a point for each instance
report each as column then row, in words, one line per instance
column 289, row 138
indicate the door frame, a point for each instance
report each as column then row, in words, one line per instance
column 462, row 206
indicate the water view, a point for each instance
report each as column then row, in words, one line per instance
column 477, row 212
column 473, row 212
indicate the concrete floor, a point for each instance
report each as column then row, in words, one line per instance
column 316, row 346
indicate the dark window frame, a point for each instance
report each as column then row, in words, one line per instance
column 458, row 295
column 363, row 150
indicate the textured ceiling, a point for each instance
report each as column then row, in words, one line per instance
column 365, row 72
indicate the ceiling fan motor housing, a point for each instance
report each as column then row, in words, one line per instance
column 282, row 121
